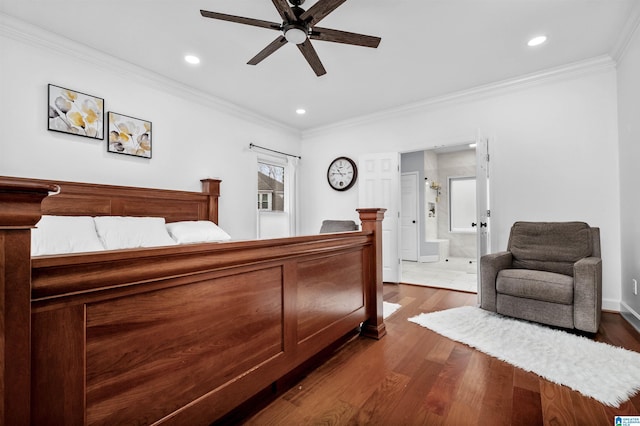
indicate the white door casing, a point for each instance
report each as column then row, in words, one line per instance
column 409, row 216
column 482, row 200
column 379, row 187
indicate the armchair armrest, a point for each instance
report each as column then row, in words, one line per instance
column 587, row 294
column 490, row 265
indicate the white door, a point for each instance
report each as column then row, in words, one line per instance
column 379, row 186
column 409, row 216
column 482, row 199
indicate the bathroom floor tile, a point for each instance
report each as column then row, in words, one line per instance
column 455, row 274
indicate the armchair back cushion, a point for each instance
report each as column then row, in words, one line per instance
column 550, row 246
column 329, row 226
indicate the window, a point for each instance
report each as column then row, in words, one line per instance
column 462, row 204
column 270, row 187
column 264, row 201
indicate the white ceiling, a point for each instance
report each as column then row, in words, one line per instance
column 429, row 48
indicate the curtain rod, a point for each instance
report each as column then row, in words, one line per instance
column 253, row 145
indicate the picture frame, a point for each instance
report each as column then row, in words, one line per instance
column 75, row 113
column 129, row 135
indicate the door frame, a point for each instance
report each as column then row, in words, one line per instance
column 482, row 154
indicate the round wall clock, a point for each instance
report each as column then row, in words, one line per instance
column 342, row 173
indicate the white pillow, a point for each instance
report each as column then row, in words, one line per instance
column 64, row 234
column 196, row 231
column 120, row 232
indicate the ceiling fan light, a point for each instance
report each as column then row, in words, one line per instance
column 295, row 35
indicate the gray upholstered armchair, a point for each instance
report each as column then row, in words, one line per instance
column 551, row 273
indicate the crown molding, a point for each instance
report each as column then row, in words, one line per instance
column 626, row 35
column 564, row 72
column 26, row 33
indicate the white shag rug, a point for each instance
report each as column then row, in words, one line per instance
column 606, row 373
column 389, row 308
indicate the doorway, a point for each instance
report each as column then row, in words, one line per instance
column 446, row 248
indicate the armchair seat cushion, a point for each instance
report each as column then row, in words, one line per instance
column 538, row 285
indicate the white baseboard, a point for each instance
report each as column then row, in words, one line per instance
column 428, row 259
column 631, row 316
column 611, row 305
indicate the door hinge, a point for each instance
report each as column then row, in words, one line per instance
column 488, row 213
column 487, row 158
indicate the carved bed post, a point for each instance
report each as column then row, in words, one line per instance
column 374, row 326
column 19, row 212
column 211, row 187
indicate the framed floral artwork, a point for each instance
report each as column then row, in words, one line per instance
column 129, row 135
column 75, row 113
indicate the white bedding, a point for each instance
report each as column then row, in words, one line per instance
column 122, row 232
column 196, row 231
column 64, row 234
column 74, row 234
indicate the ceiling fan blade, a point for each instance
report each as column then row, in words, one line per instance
column 337, row 36
column 320, row 10
column 272, row 47
column 241, row 20
column 284, row 10
column 311, row 56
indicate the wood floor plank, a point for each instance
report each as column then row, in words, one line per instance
column 557, row 407
column 525, row 380
column 383, row 400
column 615, row 330
column 441, row 395
column 279, row 412
column 527, row 408
column 441, row 350
column 337, row 413
column 498, row 400
column 474, row 382
column 414, row 376
column 410, row 406
column 589, row 411
column 461, row 414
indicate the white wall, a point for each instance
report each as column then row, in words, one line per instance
column 554, row 153
column 193, row 136
column 629, row 128
column 554, row 156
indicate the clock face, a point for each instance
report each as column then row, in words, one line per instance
column 342, row 173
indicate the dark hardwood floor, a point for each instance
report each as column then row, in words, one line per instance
column 413, row 376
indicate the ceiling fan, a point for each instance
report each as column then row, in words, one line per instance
column 298, row 27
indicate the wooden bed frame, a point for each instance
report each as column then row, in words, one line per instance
column 167, row 335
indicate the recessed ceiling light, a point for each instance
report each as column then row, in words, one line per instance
column 194, row 60
column 301, row 111
column 536, row 41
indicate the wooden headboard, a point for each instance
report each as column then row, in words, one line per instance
column 88, row 199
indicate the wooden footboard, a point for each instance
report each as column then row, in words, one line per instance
column 171, row 335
